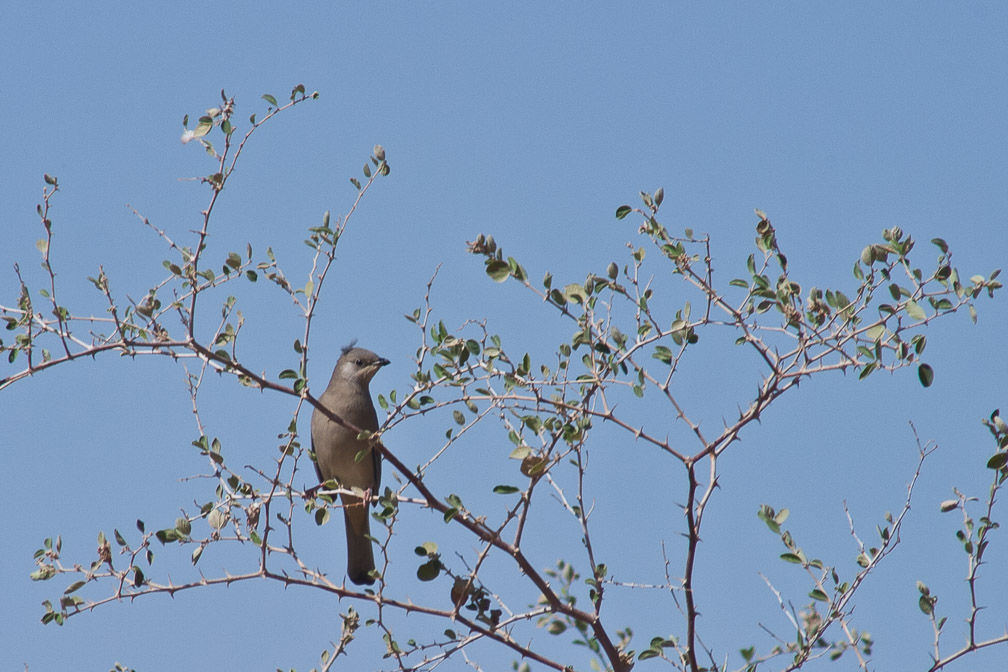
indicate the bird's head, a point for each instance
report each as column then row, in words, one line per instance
column 358, row 365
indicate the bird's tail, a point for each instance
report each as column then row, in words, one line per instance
column 360, row 554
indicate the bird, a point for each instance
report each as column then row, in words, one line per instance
column 336, row 447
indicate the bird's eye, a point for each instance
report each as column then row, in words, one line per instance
column 359, row 362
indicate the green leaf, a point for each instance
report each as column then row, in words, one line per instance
column 429, row 570
column 575, row 292
column 875, row 333
column 533, row 422
column 505, row 489
column 167, row 535
column 941, row 304
column 270, row 99
column 73, row 587
column 791, row 557
column 217, row 519
column 926, row 375
column 914, row 310
column 426, row 549
column 498, row 270
column 767, row 514
column 520, row 452
column 819, row 595
column 622, row 211
column 663, row 354
column 204, row 126
column 998, row 461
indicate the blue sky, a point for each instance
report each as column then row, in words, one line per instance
column 531, row 122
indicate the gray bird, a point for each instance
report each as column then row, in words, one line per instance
column 336, row 447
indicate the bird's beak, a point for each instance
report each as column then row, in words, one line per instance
column 381, row 361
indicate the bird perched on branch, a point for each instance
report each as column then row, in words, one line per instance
column 336, row 448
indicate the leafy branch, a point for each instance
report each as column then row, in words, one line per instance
column 629, row 337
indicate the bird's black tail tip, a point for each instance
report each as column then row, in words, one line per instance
column 364, row 579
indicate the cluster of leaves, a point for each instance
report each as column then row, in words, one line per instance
column 829, row 591
column 974, row 536
column 825, row 331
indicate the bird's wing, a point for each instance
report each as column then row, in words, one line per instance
column 318, row 472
